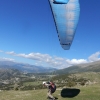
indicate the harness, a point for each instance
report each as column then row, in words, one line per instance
column 52, row 87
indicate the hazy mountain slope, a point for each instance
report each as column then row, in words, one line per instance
column 94, row 67
column 25, row 67
column 8, row 73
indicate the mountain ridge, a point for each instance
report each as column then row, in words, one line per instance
column 93, row 67
column 25, row 67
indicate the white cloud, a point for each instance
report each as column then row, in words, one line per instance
column 94, row 57
column 78, row 61
column 6, row 59
column 11, row 53
column 54, row 61
column 1, row 51
column 50, row 61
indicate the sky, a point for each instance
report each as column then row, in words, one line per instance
column 28, row 34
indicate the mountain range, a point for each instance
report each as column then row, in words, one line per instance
column 24, row 67
column 87, row 67
column 93, row 67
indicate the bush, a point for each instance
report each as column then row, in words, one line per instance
column 16, row 87
column 71, row 84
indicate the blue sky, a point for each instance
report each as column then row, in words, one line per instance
column 28, row 34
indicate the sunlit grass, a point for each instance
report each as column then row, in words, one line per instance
column 33, row 83
column 91, row 92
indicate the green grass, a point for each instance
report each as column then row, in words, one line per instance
column 91, row 92
column 93, row 76
column 33, row 83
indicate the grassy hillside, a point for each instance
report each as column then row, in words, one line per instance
column 91, row 92
column 92, row 76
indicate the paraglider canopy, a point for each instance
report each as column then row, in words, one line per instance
column 60, row 1
column 66, row 15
